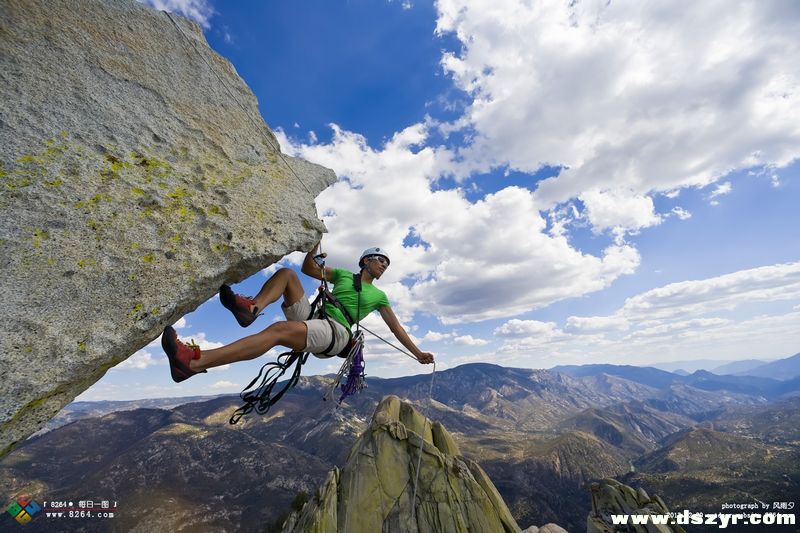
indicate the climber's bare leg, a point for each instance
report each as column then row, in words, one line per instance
column 289, row 333
column 283, row 283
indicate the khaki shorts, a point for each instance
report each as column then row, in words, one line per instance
column 319, row 330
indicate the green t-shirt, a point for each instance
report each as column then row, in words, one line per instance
column 371, row 297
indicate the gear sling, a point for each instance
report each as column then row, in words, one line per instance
column 265, row 395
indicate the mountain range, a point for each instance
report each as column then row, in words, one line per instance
column 781, row 369
column 541, row 435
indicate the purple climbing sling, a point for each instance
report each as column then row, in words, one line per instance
column 356, row 377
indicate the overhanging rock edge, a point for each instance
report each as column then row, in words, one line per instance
column 136, row 176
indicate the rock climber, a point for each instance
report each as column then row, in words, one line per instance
column 323, row 338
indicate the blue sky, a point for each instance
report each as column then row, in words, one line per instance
column 559, row 183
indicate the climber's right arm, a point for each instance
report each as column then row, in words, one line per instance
column 311, row 267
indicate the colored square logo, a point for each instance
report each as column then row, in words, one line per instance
column 23, row 509
column 14, row 509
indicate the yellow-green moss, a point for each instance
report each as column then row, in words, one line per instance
column 17, row 183
column 82, row 346
column 112, row 171
column 89, row 261
column 216, row 210
column 152, row 167
column 38, row 236
column 136, row 309
column 54, row 183
column 178, row 193
column 137, row 191
column 24, row 412
column 148, row 258
column 94, row 200
column 53, row 151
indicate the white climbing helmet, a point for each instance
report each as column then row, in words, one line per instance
column 373, row 251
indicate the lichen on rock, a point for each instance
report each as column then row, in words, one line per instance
column 136, row 176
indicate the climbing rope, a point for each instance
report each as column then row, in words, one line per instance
column 230, row 93
column 424, row 427
column 421, row 445
column 261, row 398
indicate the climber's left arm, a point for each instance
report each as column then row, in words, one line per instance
column 394, row 325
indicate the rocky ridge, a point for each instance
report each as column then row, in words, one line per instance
column 136, row 176
column 609, row 497
column 375, row 489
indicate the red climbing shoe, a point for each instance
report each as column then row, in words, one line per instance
column 179, row 355
column 238, row 305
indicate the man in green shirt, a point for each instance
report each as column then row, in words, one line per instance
column 323, row 338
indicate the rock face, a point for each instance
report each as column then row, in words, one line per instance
column 612, row 497
column 136, row 176
column 375, row 489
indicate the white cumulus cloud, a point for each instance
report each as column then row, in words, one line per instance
column 139, row 361
column 199, row 11
column 226, row 386
column 525, row 328
column 619, row 210
column 435, row 336
column 681, row 213
column 585, row 324
column 463, row 254
column 726, row 292
column 468, row 340
column 626, row 95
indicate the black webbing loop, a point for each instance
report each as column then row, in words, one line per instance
column 357, row 287
column 261, row 399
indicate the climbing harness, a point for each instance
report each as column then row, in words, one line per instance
column 274, row 148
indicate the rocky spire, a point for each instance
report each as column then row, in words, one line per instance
column 374, row 489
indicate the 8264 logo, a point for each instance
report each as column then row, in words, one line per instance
column 23, row 509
